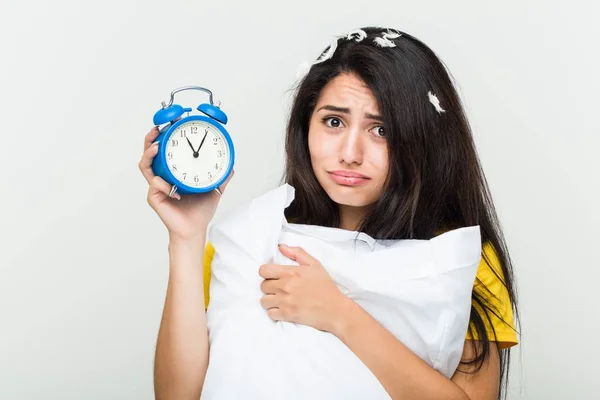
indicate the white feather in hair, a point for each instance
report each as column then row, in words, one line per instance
column 384, row 40
column 357, row 35
column 329, row 53
column 436, row 102
column 391, row 35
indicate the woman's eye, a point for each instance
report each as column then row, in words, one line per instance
column 379, row 131
column 333, row 122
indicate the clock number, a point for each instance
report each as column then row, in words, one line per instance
column 194, row 129
column 184, row 175
column 209, row 175
column 174, row 167
column 170, row 155
column 215, row 141
column 182, row 133
column 217, row 166
column 174, row 142
column 196, row 179
column 219, row 153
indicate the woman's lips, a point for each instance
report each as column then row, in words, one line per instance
column 348, row 178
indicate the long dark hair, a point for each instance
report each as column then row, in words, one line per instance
column 435, row 180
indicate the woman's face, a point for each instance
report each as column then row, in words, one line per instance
column 347, row 144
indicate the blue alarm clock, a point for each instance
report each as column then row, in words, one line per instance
column 195, row 153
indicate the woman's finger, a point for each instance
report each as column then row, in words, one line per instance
column 160, row 188
column 270, row 286
column 269, row 301
column 145, row 163
column 150, row 137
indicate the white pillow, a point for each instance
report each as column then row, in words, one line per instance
column 420, row 290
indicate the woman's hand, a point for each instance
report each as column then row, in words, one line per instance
column 303, row 294
column 186, row 217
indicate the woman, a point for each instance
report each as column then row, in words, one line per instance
column 378, row 142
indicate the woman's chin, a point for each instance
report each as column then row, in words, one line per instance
column 349, row 196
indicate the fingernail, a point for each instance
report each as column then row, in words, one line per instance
column 155, row 143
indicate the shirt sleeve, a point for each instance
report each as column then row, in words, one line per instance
column 209, row 253
column 490, row 285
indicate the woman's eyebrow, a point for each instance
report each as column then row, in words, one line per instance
column 346, row 110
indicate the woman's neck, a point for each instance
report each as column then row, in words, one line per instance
column 350, row 217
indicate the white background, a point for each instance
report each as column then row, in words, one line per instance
column 83, row 259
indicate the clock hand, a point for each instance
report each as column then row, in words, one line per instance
column 190, row 143
column 202, row 142
column 195, row 153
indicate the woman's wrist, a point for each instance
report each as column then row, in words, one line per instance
column 192, row 242
column 186, row 256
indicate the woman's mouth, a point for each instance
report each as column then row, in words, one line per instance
column 348, row 178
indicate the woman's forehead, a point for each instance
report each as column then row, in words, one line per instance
column 348, row 91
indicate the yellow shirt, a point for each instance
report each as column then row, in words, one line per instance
column 505, row 334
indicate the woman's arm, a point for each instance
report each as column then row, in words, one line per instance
column 181, row 356
column 403, row 374
column 485, row 383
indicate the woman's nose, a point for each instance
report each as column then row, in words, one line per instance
column 351, row 147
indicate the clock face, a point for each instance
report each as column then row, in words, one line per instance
column 197, row 153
